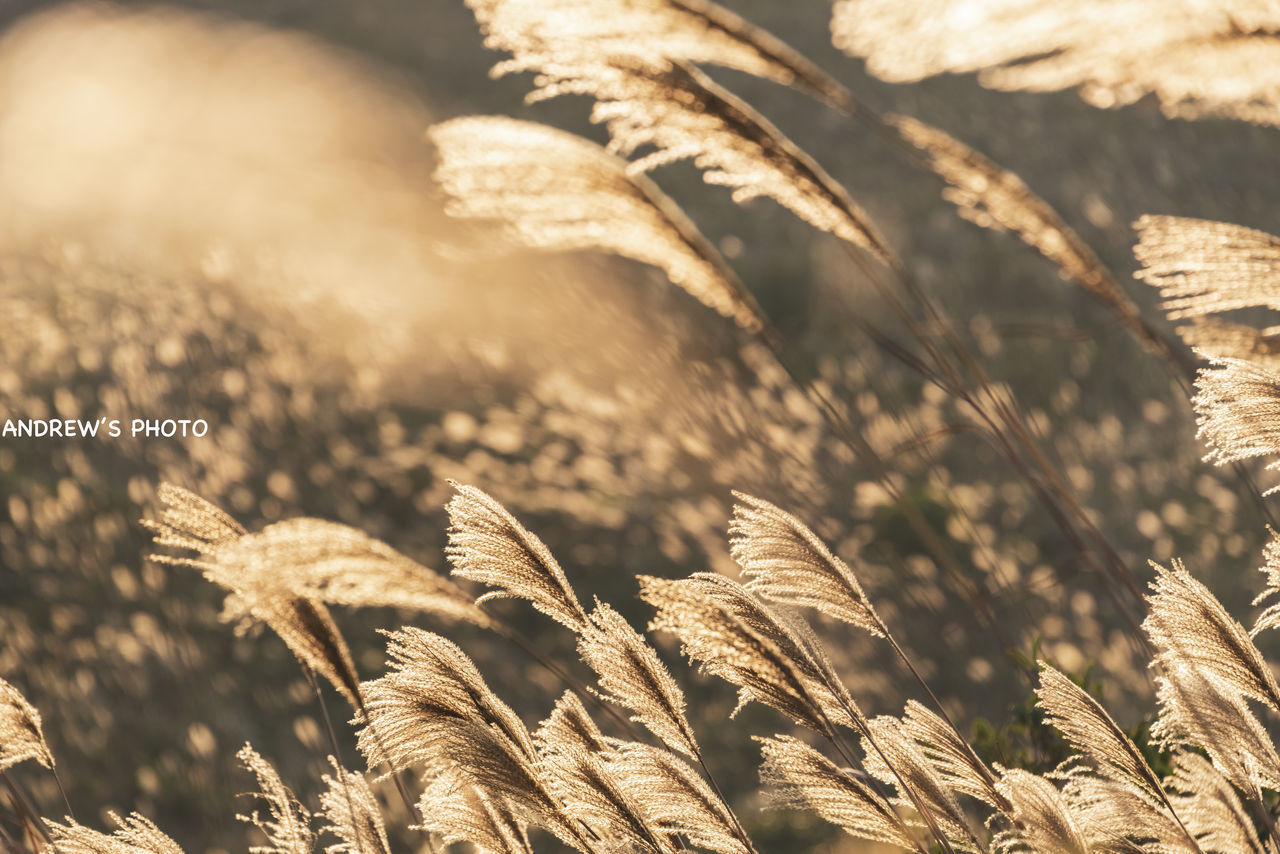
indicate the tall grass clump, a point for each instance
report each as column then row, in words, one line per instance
column 616, row 761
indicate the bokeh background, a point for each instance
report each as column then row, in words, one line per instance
column 224, row 210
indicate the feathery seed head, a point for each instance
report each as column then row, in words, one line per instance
column 21, row 733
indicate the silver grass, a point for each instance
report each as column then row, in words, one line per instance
column 1210, row 807
column 594, row 794
column 675, row 799
column 570, row 724
column 1190, row 629
column 1198, row 59
column 461, row 813
column 1237, row 406
column 305, row 557
column 432, row 671
column 434, row 709
column 287, row 824
column 1196, row 710
column 1125, row 817
column 1224, row 339
column 1204, row 267
column 352, row 813
column 894, row 758
column 995, row 198
column 488, row 545
column 788, row 563
column 334, row 563
column 257, row 593
column 631, row 675
column 555, row 191
column 134, row 835
column 733, row 635
column 1270, row 616
column 953, row 760
column 798, row 777
column 684, row 115
column 1088, row 728
column 1043, row 820
column 21, row 733
column 539, row 32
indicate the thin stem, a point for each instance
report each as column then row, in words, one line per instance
column 337, row 751
column 26, row 813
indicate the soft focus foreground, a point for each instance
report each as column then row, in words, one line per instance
column 238, row 221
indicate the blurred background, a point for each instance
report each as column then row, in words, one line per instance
column 224, row 210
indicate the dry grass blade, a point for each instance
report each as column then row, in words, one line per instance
column 488, row 545
column 732, row 635
column 675, row 799
column 1191, row 629
column 555, row 191
column 287, row 825
column 1210, row 808
column 894, row 758
column 631, row 675
column 21, row 733
column 995, row 198
column 1214, row 59
column 1196, row 712
column 461, row 813
column 953, row 760
column 352, row 813
column 538, row 32
column 1205, row 267
column 135, row 835
column 788, row 563
column 1042, row 817
column 1091, row 730
column 1237, row 407
column 800, row 778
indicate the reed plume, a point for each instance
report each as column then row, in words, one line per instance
column 1210, row 807
column 1203, row 267
column 311, row 558
column 1197, row 711
column 459, row 812
column 950, row 755
column 287, row 824
column 488, row 545
column 434, row 709
column 1043, row 819
column 352, row 813
column 1237, row 406
column 894, row 758
column 786, row 562
column 134, row 835
column 1188, row 625
column 552, row 190
column 21, row 732
column 798, row 777
column 676, row 799
column 538, row 33
column 1215, row 60
column 735, row 636
column 993, row 197
column 631, row 675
